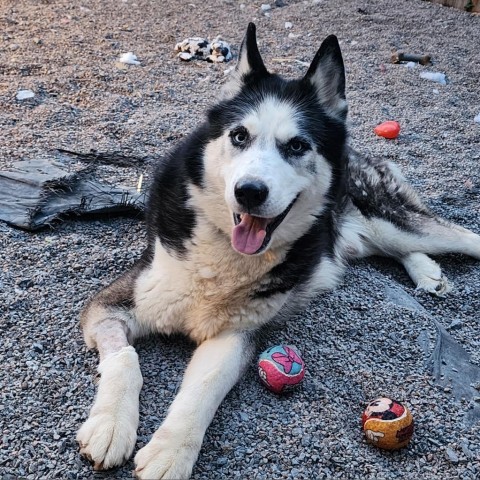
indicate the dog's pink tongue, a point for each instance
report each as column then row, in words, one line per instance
column 249, row 234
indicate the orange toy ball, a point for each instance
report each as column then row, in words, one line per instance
column 387, row 424
column 389, row 129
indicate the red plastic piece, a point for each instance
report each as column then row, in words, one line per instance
column 389, row 129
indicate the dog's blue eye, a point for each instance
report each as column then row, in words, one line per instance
column 239, row 136
column 297, row 146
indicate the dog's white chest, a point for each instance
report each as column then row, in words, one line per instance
column 205, row 294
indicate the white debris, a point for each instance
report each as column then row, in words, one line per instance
column 140, row 183
column 288, row 25
column 477, row 119
column 436, row 91
column 129, row 58
column 353, row 42
column 410, row 65
column 265, row 7
column 24, row 94
column 434, row 77
column 293, row 35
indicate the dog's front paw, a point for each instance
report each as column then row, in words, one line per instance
column 107, row 440
column 170, row 454
column 436, row 286
column 108, row 436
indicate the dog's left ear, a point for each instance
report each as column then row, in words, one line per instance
column 249, row 63
column 327, row 74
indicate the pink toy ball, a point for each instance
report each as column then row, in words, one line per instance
column 281, row 368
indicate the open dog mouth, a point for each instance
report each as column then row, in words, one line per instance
column 252, row 234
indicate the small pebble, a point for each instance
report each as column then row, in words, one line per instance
column 25, row 283
column 451, row 455
column 306, row 440
column 456, row 323
column 466, row 451
column 24, row 94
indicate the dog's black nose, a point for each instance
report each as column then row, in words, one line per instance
column 251, row 194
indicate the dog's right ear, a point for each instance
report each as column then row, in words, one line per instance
column 249, row 63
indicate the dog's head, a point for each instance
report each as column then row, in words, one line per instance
column 278, row 147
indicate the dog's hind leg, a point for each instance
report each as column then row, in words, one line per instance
column 437, row 237
column 215, row 367
column 426, row 235
column 108, row 436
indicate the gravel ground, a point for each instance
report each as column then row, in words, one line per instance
column 358, row 341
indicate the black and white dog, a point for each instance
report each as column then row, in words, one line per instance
column 255, row 212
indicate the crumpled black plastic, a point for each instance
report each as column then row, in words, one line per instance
column 449, row 363
column 36, row 193
column 451, row 366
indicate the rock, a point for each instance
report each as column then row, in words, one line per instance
column 25, row 283
column 466, row 451
column 456, row 323
column 121, row 66
column 62, row 446
column 306, row 440
column 451, row 455
column 24, row 94
column 243, row 416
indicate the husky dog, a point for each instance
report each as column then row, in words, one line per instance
column 255, row 212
